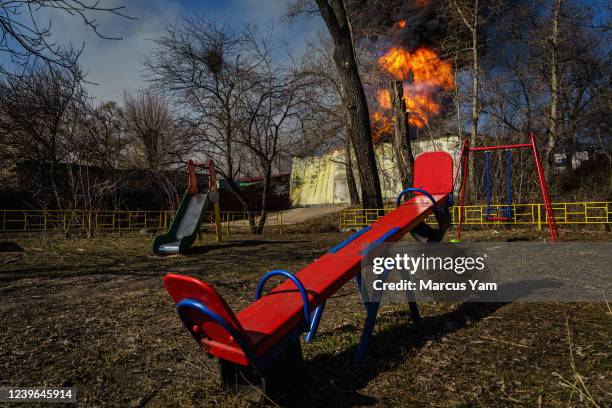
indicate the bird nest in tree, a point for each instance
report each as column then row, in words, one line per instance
column 213, row 60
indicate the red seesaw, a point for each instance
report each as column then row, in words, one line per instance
column 258, row 346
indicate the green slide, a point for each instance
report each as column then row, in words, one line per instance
column 185, row 226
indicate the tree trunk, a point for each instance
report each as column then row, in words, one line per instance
column 554, row 92
column 229, row 177
column 401, row 136
column 475, row 103
column 334, row 14
column 52, row 174
column 245, row 206
column 350, row 177
column 472, row 24
column 263, row 215
column 457, row 100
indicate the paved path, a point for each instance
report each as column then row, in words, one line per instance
column 296, row 215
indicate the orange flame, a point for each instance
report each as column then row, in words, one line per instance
column 401, row 24
column 420, row 107
column 381, row 125
column 425, row 73
column 424, row 64
column 384, row 99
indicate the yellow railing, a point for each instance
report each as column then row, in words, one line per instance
column 524, row 214
column 116, row 220
column 237, row 221
column 100, row 220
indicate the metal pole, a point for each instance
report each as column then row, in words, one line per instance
column 466, row 157
column 488, row 182
column 509, row 189
column 548, row 207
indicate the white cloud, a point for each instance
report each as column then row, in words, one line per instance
column 116, row 65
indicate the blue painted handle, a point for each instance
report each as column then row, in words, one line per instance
column 191, row 304
column 314, row 324
column 295, row 280
column 417, row 190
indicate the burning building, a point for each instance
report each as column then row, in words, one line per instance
column 410, row 57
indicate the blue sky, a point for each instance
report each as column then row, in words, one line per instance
column 117, row 65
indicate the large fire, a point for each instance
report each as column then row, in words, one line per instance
column 423, row 74
column 424, row 64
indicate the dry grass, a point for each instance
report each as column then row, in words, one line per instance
column 94, row 314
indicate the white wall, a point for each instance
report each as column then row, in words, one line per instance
column 322, row 180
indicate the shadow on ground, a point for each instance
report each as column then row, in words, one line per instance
column 8, row 246
column 204, row 249
column 328, row 376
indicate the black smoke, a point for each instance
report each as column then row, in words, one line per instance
column 423, row 25
column 378, row 20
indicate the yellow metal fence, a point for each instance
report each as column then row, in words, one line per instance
column 237, row 221
column 524, row 214
column 109, row 220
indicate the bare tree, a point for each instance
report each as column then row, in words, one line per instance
column 206, row 67
column 105, row 126
column 150, row 128
column 469, row 13
column 37, row 116
column 64, row 151
column 271, row 109
column 550, row 69
column 243, row 107
column 26, row 39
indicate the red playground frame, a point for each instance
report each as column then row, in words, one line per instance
column 463, row 167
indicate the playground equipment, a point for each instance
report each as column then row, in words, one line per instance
column 186, row 224
column 261, row 344
column 506, row 213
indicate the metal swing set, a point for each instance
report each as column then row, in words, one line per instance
column 503, row 214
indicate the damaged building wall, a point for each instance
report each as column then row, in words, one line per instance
column 322, row 180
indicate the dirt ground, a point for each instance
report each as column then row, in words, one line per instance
column 93, row 314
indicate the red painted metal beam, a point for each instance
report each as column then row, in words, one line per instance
column 500, row 147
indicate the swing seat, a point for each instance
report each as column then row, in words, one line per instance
column 499, row 219
column 507, row 215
